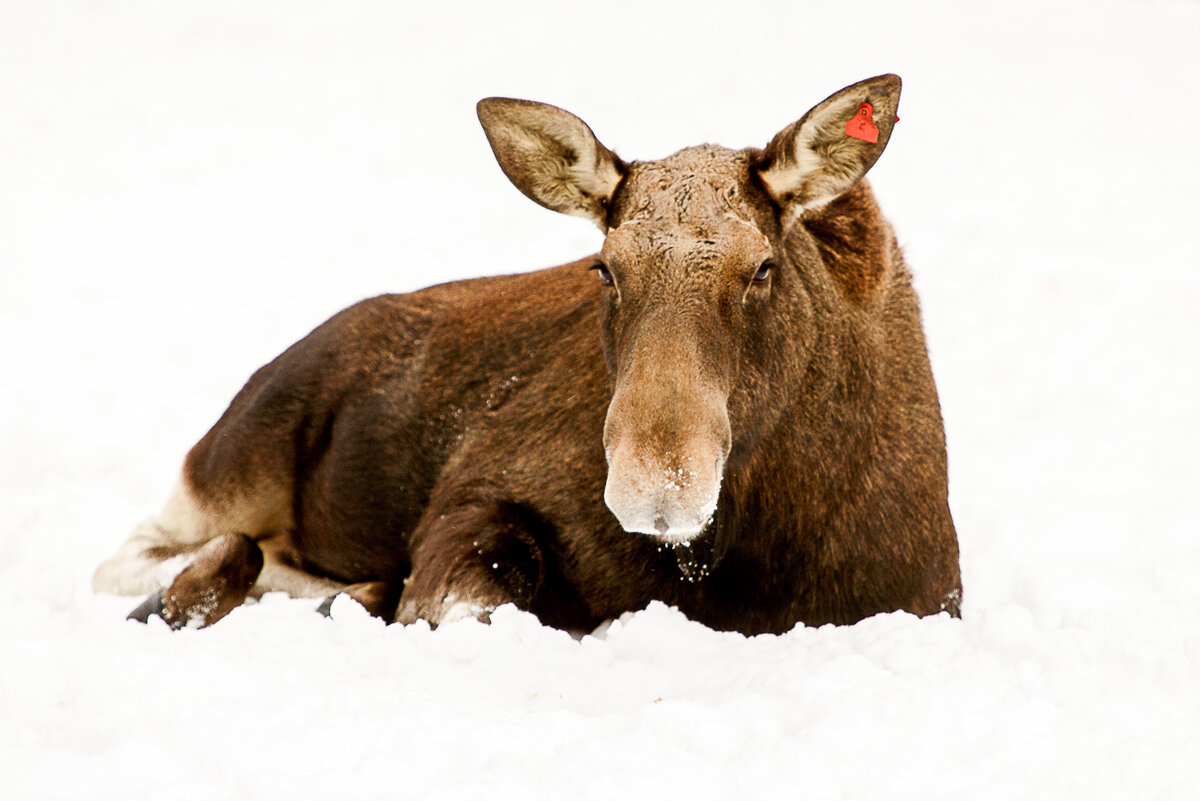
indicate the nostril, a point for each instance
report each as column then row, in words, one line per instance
column 660, row 524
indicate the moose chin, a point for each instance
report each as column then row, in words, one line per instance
column 729, row 409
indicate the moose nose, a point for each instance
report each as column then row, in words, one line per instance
column 671, row 497
column 667, row 433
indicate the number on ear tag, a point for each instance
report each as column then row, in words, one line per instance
column 862, row 124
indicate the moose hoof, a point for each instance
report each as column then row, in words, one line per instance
column 326, row 607
column 152, row 606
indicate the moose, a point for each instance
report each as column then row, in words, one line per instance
column 729, row 409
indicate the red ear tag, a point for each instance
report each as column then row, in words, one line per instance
column 862, row 124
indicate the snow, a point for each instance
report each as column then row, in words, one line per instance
column 186, row 188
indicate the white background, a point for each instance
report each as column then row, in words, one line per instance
column 188, row 187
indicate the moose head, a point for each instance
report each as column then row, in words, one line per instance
column 704, row 283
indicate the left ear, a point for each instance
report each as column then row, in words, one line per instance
column 828, row 150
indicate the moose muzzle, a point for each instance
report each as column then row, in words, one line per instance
column 666, row 445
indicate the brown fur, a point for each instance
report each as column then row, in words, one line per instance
column 453, row 441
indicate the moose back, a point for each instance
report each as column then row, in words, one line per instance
column 729, row 409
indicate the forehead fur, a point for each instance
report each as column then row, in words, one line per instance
column 696, row 192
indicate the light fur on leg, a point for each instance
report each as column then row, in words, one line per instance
column 157, row 550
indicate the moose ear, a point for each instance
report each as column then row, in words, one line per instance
column 552, row 156
column 830, row 148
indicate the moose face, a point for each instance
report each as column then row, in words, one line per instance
column 703, row 308
column 686, row 273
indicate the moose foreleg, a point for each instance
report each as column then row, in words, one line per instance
column 474, row 555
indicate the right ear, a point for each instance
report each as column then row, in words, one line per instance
column 552, row 156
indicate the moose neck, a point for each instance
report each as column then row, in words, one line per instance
column 826, row 434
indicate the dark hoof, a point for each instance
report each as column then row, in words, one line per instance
column 151, row 607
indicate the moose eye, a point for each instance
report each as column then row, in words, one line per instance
column 602, row 270
column 764, row 272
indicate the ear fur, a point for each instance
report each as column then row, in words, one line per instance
column 813, row 160
column 552, row 156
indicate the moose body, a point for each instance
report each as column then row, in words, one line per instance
column 729, row 409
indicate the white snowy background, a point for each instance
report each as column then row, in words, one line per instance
column 188, row 187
